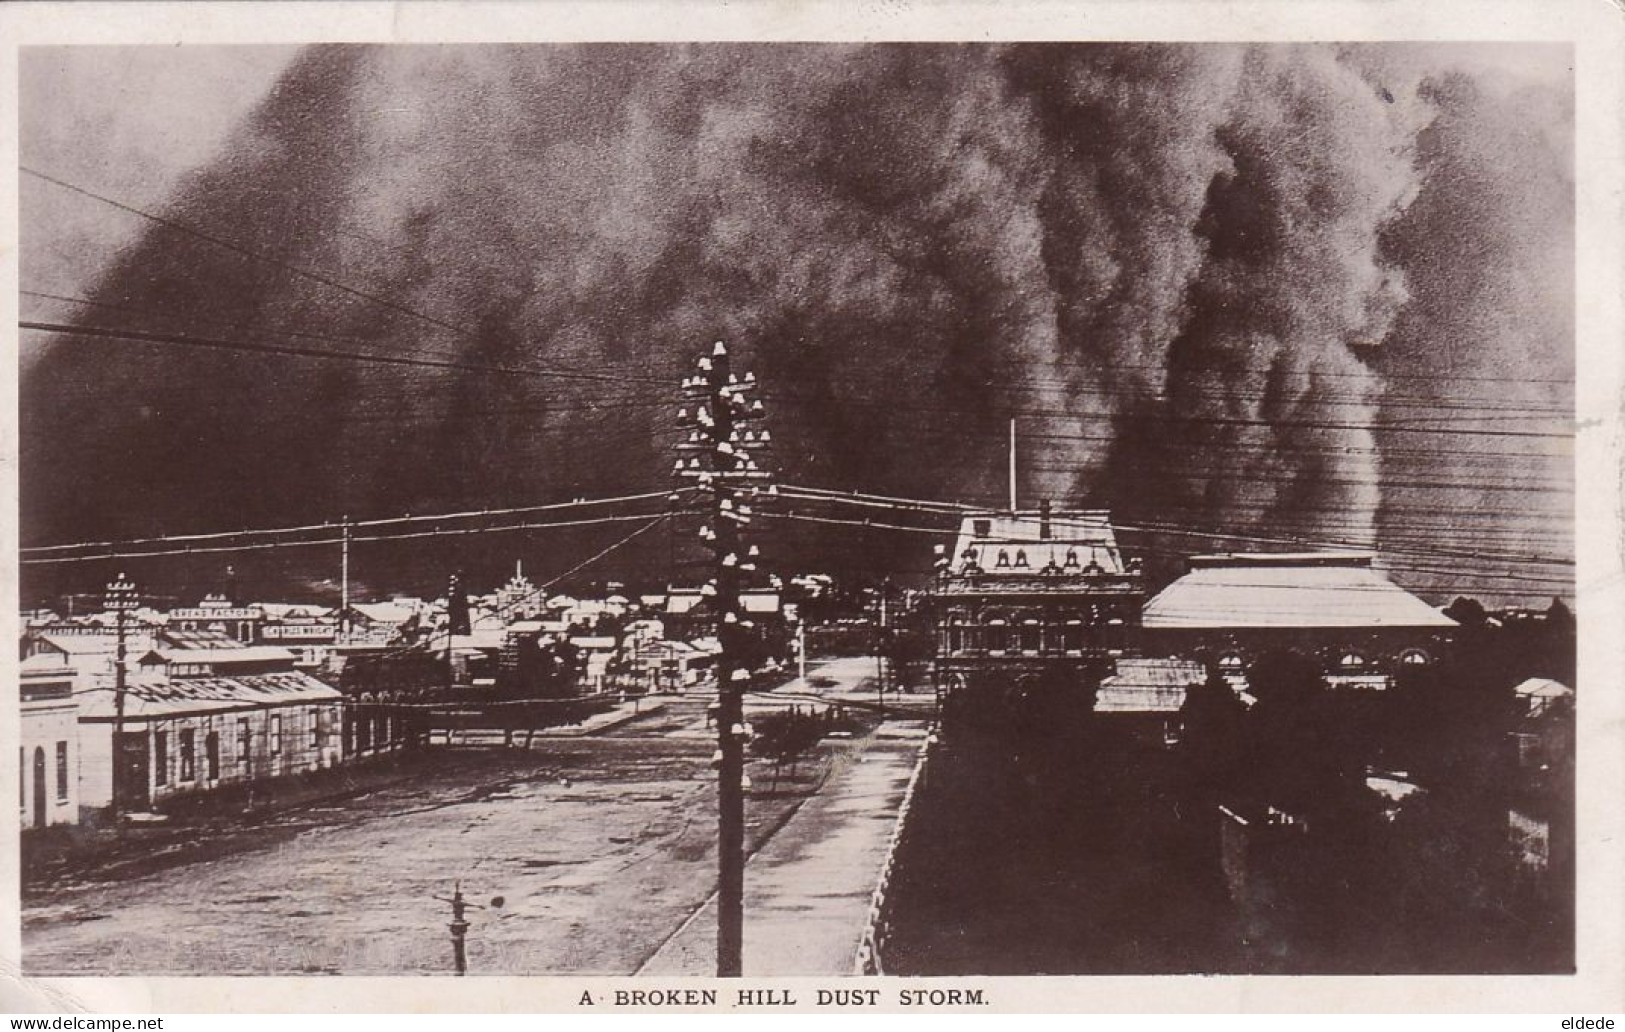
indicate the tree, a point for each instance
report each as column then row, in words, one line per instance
column 1469, row 612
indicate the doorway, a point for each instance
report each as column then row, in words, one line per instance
column 40, row 815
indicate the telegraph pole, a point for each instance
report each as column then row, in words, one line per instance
column 720, row 455
column 343, row 623
column 456, row 623
column 121, row 598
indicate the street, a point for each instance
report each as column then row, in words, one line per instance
column 601, row 848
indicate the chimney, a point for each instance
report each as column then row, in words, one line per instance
column 1043, row 520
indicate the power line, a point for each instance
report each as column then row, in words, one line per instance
column 289, row 350
column 317, row 277
column 387, row 521
column 354, row 539
column 941, row 509
column 1179, row 420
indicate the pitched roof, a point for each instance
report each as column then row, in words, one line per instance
column 44, row 665
column 201, row 639
column 85, row 644
column 292, row 610
column 1543, row 688
column 228, row 657
column 1287, row 590
column 998, row 541
column 187, row 695
column 1148, row 685
column 384, row 612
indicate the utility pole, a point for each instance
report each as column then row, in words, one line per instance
column 121, row 598
column 456, row 623
column 885, row 646
column 720, row 455
column 344, row 581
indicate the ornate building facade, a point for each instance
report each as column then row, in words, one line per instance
column 1029, row 599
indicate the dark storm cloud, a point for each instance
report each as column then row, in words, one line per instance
column 1129, row 235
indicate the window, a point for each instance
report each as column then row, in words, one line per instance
column 211, row 754
column 1414, row 657
column 1021, row 557
column 245, row 741
column 1230, row 661
column 160, row 757
column 1352, row 661
column 1072, row 636
column 62, row 772
column 188, row 754
column 318, row 732
column 1028, row 636
column 276, row 734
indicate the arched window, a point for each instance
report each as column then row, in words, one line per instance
column 1231, row 662
column 1352, row 661
column 1414, row 657
column 1027, row 636
column 1021, row 558
column 1072, row 635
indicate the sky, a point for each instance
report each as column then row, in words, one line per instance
column 1265, row 296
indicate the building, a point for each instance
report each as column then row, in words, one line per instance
column 519, row 599
column 48, row 756
column 379, row 623
column 197, row 720
column 217, row 613
column 309, row 632
column 1359, row 625
column 1141, row 685
column 87, row 650
column 1031, row 597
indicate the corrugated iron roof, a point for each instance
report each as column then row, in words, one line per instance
column 190, row 695
column 1287, row 591
column 1148, row 685
column 229, row 657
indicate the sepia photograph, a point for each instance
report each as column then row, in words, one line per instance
column 689, row 510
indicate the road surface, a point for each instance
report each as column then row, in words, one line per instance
column 602, row 848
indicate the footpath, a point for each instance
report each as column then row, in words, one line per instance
column 807, row 891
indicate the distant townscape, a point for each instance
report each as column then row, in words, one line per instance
column 1318, row 743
